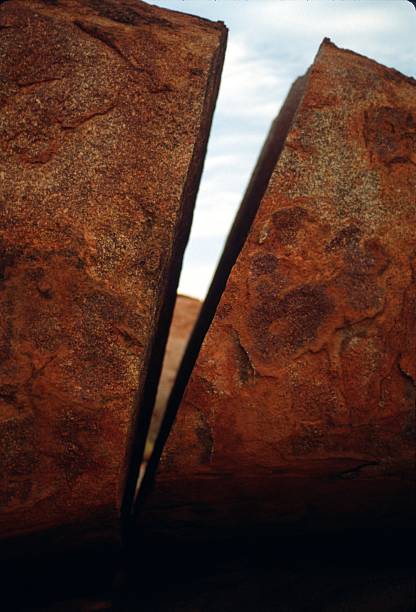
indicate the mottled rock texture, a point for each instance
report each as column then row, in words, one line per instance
column 301, row 405
column 105, row 108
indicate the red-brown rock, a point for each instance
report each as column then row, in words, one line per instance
column 301, row 405
column 105, row 108
column 184, row 317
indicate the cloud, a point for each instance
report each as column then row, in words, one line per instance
column 251, row 83
column 213, row 216
column 340, row 18
column 195, row 280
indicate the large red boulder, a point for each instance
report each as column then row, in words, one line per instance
column 301, row 404
column 105, row 109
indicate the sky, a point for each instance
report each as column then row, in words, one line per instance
column 270, row 43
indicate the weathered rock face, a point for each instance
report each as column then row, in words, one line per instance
column 301, row 405
column 184, row 317
column 105, row 108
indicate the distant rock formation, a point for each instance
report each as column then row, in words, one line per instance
column 184, row 318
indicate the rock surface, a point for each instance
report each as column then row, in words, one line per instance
column 301, row 405
column 105, row 109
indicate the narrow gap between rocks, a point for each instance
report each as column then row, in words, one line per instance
column 147, row 396
column 257, row 186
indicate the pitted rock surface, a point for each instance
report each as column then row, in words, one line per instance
column 304, row 389
column 105, row 108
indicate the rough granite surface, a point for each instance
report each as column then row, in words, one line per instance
column 303, row 395
column 105, row 108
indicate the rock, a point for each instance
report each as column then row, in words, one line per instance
column 301, row 405
column 105, row 110
column 184, row 317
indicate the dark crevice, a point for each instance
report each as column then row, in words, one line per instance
column 183, row 226
column 257, row 186
column 354, row 472
column 406, row 375
column 246, row 368
column 105, row 37
column 38, row 82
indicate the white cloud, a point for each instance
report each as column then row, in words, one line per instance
column 195, row 279
column 215, row 220
column 338, row 18
column 220, row 161
column 252, row 85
